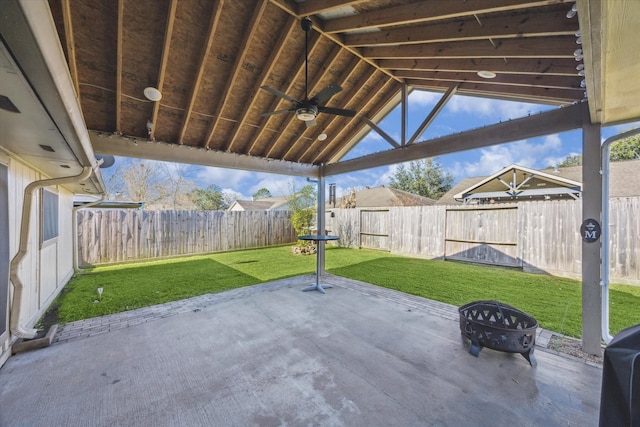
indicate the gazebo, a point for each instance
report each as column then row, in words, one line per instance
column 290, row 87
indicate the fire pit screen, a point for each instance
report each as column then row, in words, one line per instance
column 498, row 326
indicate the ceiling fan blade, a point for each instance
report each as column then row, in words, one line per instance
column 337, row 111
column 326, row 93
column 276, row 92
column 271, row 113
column 310, row 123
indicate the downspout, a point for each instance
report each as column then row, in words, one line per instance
column 74, row 217
column 604, row 283
column 25, row 228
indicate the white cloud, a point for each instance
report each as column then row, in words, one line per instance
column 423, row 98
column 492, row 108
column 523, row 153
column 227, row 178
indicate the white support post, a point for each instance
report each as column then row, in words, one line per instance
column 591, row 260
column 321, row 221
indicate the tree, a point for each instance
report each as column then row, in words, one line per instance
column 626, row 149
column 261, row 194
column 423, row 177
column 158, row 185
column 177, row 187
column 209, row 199
column 301, row 206
column 571, row 160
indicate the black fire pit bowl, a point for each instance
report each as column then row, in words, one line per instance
column 498, row 326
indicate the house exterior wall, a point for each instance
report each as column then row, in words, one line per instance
column 46, row 268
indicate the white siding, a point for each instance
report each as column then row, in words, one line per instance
column 44, row 270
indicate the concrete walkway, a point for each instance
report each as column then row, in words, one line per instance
column 273, row 355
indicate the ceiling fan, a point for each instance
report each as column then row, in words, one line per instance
column 308, row 108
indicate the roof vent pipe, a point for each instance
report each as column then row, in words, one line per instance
column 604, row 283
column 25, row 228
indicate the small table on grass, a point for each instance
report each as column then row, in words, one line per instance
column 317, row 238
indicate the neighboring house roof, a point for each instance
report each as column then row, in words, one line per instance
column 519, row 182
column 385, row 197
column 624, row 181
column 265, row 204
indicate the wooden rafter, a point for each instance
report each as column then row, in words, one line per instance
column 237, row 66
column 275, row 53
column 337, row 39
column 536, row 47
column 313, row 7
column 417, row 12
column 432, row 115
column 523, row 93
column 559, row 82
column 119, row 42
column 213, row 25
column 338, row 128
column 542, row 66
column 389, row 89
column 548, row 23
column 549, row 122
column 171, row 18
column 71, row 47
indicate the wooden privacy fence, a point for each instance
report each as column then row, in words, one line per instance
column 117, row 235
column 540, row 236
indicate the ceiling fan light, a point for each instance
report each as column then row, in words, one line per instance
column 487, row 74
column 152, row 94
column 306, row 114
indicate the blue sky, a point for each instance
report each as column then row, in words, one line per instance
column 461, row 113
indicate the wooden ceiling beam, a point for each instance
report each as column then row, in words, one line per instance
column 552, row 96
column 237, row 66
column 195, row 88
column 560, row 82
column 107, row 143
column 313, row 7
column 168, row 32
column 546, row 123
column 71, row 46
column 290, row 8
column 376, row 110
column 119, row 42
column 314, row 85
column 547, row 23
column 370, row 108
column 418, row 12
column 290, row 26
column 543, row 66
column 299, row 68
column 534, row 47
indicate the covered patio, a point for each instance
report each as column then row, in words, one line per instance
column 273, row 355
column 240, row 85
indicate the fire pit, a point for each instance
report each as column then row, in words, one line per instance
column 498, row 326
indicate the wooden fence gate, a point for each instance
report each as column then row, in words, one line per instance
column 483, row 235
column 374, row 229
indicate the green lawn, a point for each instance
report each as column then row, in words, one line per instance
column 555, row 302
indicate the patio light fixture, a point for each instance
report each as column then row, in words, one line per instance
column 152, row 94
column 487, row 74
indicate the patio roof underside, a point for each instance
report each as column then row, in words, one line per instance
column 209, row 59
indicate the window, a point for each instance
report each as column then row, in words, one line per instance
column 49, row 215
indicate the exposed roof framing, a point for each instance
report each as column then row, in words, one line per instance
column 210, row 60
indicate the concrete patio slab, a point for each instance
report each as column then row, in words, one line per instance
column 271, row 355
